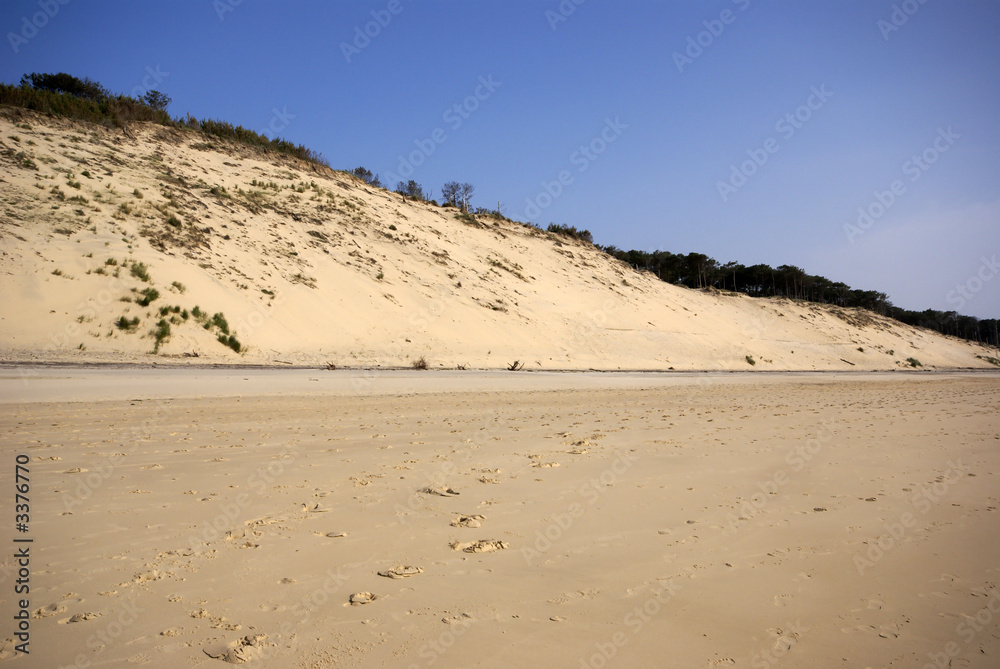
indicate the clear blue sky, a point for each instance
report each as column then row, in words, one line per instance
column 672, row 128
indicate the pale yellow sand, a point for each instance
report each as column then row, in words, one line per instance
column 692, row 522
column 311, row 267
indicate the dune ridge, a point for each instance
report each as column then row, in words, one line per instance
column 311, row 266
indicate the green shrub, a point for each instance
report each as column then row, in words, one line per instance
column 751, row 360
column 570, row 231
column 230, row 341
column 22, row 159
column 140, row 271
column 128, row 325
column 89, row 101
column 148, row 295
column 219, row 321
column 160, row 334
column 914, row 362
column 174, row 221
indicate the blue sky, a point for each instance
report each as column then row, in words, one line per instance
column 620, row 117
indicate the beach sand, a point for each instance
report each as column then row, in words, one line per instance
column 194, row 518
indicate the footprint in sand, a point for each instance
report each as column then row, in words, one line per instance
column 79, row 618
column 153, row 466
column 461, row 619
column 468, row 521
column 75, row 470
column 545, row 465
column 315, row 509
column 401, row 571
column 50, row 610
column 359, row 598
column 237, row 652
column 481, row 546
column 443, row 492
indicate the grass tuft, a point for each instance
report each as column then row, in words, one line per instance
column 140, row 271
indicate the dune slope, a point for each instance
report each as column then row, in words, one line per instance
column 306, row 265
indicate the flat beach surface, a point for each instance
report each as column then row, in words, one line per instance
column 198, row 517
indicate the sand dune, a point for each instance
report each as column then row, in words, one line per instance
column 310, row 266
column 743, row 520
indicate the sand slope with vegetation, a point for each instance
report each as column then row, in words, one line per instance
column 162, row 244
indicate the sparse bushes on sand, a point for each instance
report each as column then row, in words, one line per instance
column 230, row 341
column 570, row 231
column 126, row 324
column 420, row 363
column 140, row 271
column 148, row 295
column 160, row 334
column 65, row 95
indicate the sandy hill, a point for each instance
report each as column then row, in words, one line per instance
column 166, row 246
